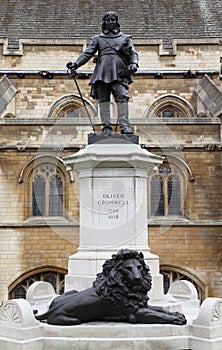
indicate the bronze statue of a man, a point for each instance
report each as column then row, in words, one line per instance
column 117, row 60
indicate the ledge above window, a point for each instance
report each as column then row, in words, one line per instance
column 49, row 221
column 168, row 220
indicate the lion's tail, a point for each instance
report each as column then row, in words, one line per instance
column 42, row 316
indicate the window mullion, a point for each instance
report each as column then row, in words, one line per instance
column 165, row 191
column 47, row 197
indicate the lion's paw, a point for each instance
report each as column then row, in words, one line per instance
column 177, row 318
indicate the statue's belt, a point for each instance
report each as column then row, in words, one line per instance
column 113, row 52
column 108, row 54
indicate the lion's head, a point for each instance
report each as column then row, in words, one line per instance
column 125, row 280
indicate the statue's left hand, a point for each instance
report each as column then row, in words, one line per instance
column 132, row 67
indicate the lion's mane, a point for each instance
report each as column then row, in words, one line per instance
column 111, row 285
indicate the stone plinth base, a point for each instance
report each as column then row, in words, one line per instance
column 20, row 331
column 114, row 138
column 121, row 336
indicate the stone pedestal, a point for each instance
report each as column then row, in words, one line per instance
column 20, row 331
column 113, row 209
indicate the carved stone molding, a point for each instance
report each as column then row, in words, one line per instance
column 210, row 314
column 10, row 313
column 213, row 147
column 217, row 313
column 17, row 313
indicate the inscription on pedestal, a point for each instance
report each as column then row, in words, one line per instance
column 113, row 207
column 113, row 201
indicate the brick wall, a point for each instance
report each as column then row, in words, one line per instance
column 27, row 248
column 35, row 95
column 188, row 56
column 204, row 195
column 196, row 249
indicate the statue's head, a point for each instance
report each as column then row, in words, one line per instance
column 110, row 22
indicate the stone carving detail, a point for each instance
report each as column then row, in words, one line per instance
column 213, row 147
column 210, row 314
column 217, row 313
column 10, row 313
column 17, row 313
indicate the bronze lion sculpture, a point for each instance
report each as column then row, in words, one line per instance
column 119, row 293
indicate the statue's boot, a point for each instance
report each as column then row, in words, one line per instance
column 104, row 108
column 123, row 119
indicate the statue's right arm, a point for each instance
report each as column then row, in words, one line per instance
column 88, row 53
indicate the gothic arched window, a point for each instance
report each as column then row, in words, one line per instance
column 47, row 191
column 71, row 106
column 170, row 106
column 165, row 192
column 172, row 274
column 55, row 277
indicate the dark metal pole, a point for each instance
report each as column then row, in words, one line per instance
column 72, row 73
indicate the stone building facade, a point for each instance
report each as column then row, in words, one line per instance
column 175, row 108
